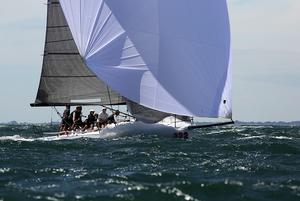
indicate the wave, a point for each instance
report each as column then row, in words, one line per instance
column 15, row 138
column 111, row 131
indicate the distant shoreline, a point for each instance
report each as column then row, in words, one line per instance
column 268, row 123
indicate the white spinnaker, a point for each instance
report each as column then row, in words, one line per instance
column 170, row 55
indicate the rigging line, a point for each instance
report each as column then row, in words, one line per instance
column 51, row 117
column 58, row 113
column 210, row 125
column 119, row 111
column 175, row 120
column 109, row 97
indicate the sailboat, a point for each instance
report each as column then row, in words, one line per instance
column 159, row 58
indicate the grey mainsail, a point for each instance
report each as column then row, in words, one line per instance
column 65, row 79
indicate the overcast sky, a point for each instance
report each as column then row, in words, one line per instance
column 265, row 59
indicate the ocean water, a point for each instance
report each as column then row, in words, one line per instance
column 214, row 164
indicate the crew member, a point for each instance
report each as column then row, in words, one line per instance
column 90, row 121
column 112, row 118
column 65, row 123
column 102, row 119
column 75, row 116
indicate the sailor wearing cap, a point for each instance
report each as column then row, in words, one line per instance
column 102, row 118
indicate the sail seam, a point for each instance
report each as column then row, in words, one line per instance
column 105, row 45
column 92, row 37
column 61, row 53
column 57, row 41
column 54, row 27
column 131, row 56
column 53, row 3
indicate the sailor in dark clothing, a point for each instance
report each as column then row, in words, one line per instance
column 112, row 118
column 75, row 116
column 65, row 123
column 90, row 121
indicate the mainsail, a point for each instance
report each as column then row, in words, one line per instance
column 161, row 57
column 65, row 79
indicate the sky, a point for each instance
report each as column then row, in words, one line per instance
column 265, row 59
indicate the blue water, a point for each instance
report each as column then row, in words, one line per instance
column 225, row 163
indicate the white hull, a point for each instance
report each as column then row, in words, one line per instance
column 164, row 128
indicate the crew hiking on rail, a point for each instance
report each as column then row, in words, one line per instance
column 73, row 121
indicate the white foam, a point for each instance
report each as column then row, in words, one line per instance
column 137, row 128
column 283, row 138
column 253, row 137
column 15, row 138
column 111, row 131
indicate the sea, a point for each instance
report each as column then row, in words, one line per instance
column 214, row 164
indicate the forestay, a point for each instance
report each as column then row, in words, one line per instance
column 170, row 55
